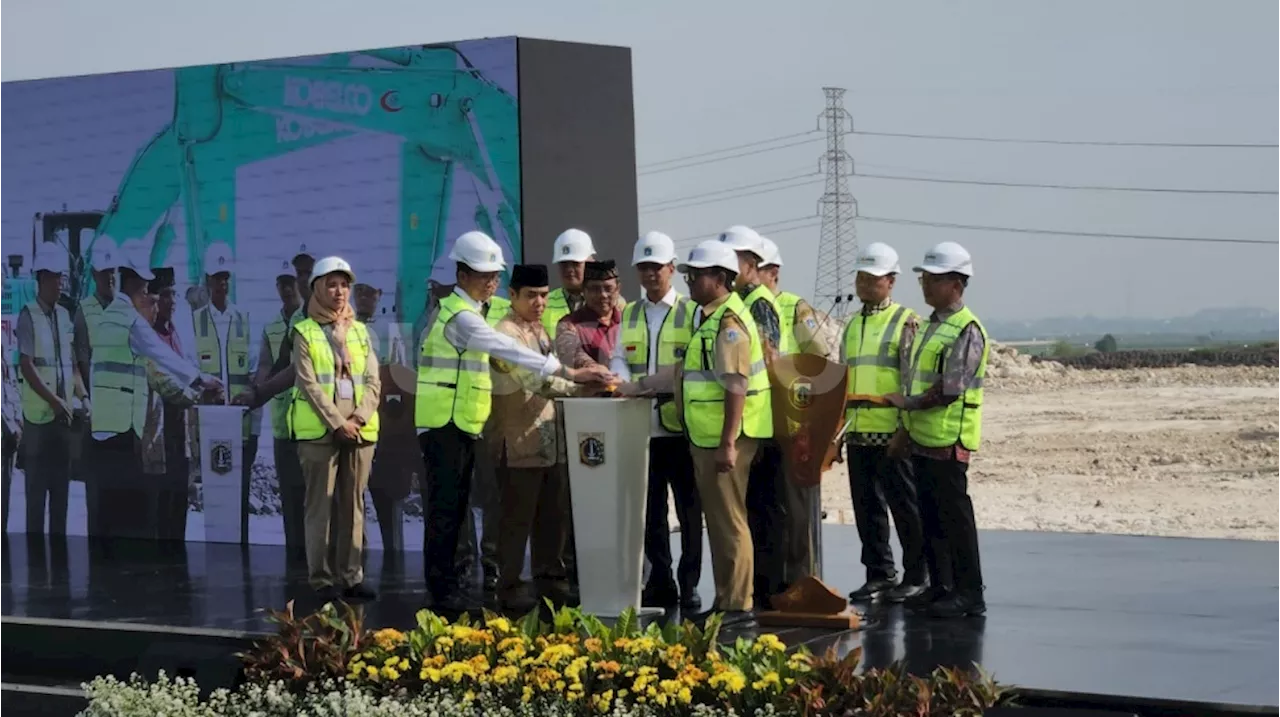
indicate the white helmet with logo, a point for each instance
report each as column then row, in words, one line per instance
column 135, row 256
column 743, row 238
column 711, row 253
column 654, row 248
column 946, row 258
column 217, row 259
column 573, row 245
column 106, row 255
column 772, row 255
column 332, row 265
column 478, row 251
column 877, row 259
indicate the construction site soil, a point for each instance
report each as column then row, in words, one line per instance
column 1189, row 450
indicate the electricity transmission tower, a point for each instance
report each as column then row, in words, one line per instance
column 839, row 241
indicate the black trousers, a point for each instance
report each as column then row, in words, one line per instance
column 125, row 500
column 766, row 516
column 450, row 456
column 47, row 474
column 950, row 532
column 671, row 466
column 880, row 483
column 293, row 498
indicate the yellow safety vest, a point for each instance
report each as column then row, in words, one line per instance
column 52, row 354
column 702, row 390
column 119, row 377
column 453, row 386
column 557, row 308
column 275, row 333
column 92, row 311
column 871, row 355
column 961, row 420
column 787, row 303
column 304, row 419
column 210, row 350
column 673, row 339
column 498, row 308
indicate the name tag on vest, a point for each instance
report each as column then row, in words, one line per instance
column 346, row 390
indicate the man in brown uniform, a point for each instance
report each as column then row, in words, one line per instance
column 530, row 456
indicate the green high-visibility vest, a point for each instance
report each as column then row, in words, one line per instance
column 119, row 376
column 961, row 421
column 498, row 308
column 702, row 390
column 304, row 419
column 787, row 302
column 275, row 333
column 52, row 355
column 871, row 355
column 453, row 386
column 557, row 308
column 92, row 311
column 673, row 339
column 209, row 348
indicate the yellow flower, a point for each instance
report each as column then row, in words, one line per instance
column 505, row 674
column 444, row 642
column 499, row 624
column 372, row 672
column 640, row 646
column 526, row 694
column 684, row 695
column 769, row 642
column 468, row 696
column 731, row 681
column 770, row 679
column 556, row 654
column 593, row 644
column 388, row 638
column 390, row 673
column 429, row 673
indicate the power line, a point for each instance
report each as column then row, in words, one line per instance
column 731, row 156
column 1071, row 142
column 757, row 227
column 708, row 153
column 1036, row 185
column 1057, row 232
column 673, row 200
column 737, row 196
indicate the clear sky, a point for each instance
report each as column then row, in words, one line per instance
column 714, row 74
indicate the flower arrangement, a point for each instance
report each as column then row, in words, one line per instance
column 575, row 664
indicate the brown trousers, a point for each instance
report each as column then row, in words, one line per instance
column 336, row 475
column 724, row 503
column 535, row 503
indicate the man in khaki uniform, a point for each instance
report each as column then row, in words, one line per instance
column 529, row 453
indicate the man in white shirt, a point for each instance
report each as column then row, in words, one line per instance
column 655, row 332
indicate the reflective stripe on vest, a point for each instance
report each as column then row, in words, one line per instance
column 557, row 308
column 275, row 333
column 453, row 386
column 209, row 348
column 92, row 311
column 672, row 340
column 304, row 420
column 119, row 377
column 961, row 420
column 703, row 393
column 52, row 355
column 787, row 304
column 871, row 355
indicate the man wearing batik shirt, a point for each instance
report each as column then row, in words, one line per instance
column 943, row 400
column 587, row 336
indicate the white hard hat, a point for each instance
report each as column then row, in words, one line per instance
column 332, row 265
column 711, row 253
column 286, row 269
column 478, row 251
column 106, row 255
column 217, row 259
column 49, row 260
column 654, row 248
column 772, row 255
column 136, row 257
column 877, row 259
column 740, row 238
column 946, row 258
column 573, row 245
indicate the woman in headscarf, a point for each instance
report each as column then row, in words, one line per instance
column 334, row 419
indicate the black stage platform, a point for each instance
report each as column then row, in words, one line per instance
column 1155, row 625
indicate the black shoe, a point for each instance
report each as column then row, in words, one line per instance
column 873, row 589
column 921, row 602
column 690, row 601
column 959, row 605
column 903, row 592
column 490, row 582
column 518, row 603
column 360, row 592
column 657, row 595
column 738, row 619
column 455, row 602
column 328, row 594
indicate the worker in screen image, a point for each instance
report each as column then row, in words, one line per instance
column 334, row 420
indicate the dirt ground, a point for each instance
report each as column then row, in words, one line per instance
column 1187, row 451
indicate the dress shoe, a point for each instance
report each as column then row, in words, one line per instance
column 959, row 605
column 490, row 584
column 360, row 592
column 921, row 602
column 903, row 592
column 656, row 595
column 518, row 603
column 872, row 590
column 738, row 619
column 327, row 594
column 690, row 601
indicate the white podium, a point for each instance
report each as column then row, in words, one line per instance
column 221, row 472
column 607, row 441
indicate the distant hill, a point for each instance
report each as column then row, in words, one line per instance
column 1208, row 325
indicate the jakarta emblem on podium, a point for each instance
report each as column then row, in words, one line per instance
column 591, row 449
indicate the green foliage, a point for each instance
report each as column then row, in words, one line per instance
column 1107, row 344
column 305, row 649
column 1066, row 349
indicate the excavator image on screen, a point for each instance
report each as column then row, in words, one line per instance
column 227, row 116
